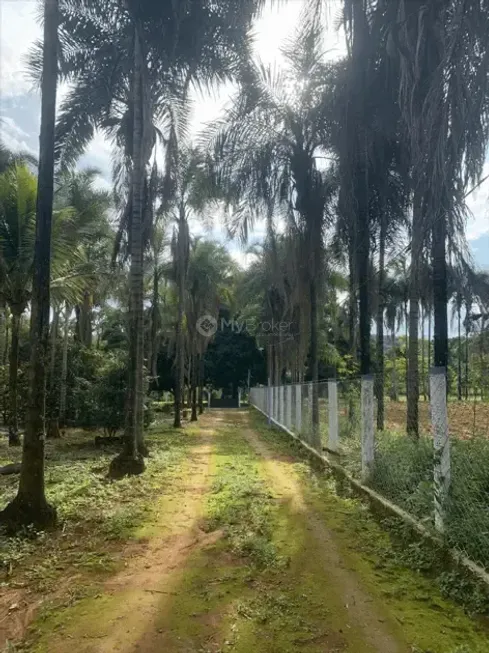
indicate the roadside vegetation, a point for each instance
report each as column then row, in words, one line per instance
column 350, row 174
column 261, row 575
column 46, row 570
column 385, row 542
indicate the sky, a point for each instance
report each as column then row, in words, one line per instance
column 20, row 106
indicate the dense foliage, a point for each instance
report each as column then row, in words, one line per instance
column 357, row 167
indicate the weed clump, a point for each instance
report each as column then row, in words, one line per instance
column 241, row 506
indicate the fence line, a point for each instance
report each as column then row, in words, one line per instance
column 442, row 484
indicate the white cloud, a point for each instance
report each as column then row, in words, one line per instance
column 13, row 137
column 19, row 29
column 99, row 154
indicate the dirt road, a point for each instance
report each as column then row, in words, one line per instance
column 241, row 556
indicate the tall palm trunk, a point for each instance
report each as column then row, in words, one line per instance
column 180, row 353
column 423, row 365
column 364, row 308
column 130, row 460
column 86, row 319
column 276, row 366
column 352, row 324
column 194, row 376
column 314, row 238
column 13, row 431
column 52, row 354
column 4, row 356
column 440, row 292
column 379, row 379
column 406, row 347
column 460, row 354
column 64, row 368
column 314, row 368
column 201, row 384
column 3, row 330
column 395, row 388
column 481, row 358
column 352, row 301
column 5, row 352
column 30, row 505
column 413, row 358
column 155, row 315
column 467, row 334
column 360, row 56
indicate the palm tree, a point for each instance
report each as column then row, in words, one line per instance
column 180, row 253
column 89, row 232
column 185, row 193
column 443, row 49
column 479, row 284
column 368, row 143
column 17, row 233
column 127, row 91
column 388, row 204
column 426, row 300
column 64, row 366
column 18, row 190
column 209, row 277
column 30, row 505
column 274, row 290
column 159, row 243
column 269, row 158
column 81, row 267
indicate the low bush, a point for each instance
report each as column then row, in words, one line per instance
column 403, row 473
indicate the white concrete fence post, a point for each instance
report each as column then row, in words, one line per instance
column 270, row 401
column 298, row 408
column 368, row 433
column 441, row 441
column 333, row 440
column 276, row 399
column 288, row 407
column 239, row 397
column 208, row 398
column 281, row 418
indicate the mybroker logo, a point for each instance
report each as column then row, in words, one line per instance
column 207, row 326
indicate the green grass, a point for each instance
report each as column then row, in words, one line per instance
column 94, row 512
column 403, row 473
column 410, row 575
column 259, row 583
column 240, row 503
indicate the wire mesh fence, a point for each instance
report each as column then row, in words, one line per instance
column 440, row 479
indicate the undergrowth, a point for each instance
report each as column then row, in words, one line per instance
column 402, row 547
column 93, row 510
column 403, row 473
column 240, row 505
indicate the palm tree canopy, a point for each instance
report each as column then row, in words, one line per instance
column 269, row 150
column 77, row 221
column 198, row 41
column 18, row 194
